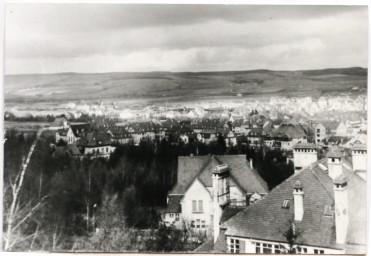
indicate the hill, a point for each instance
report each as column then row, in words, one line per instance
column 182, row 86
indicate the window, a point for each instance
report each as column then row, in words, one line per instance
column 300, row 250
column 198, row 223
column 277, row 249
column 203, row 224
column 333, row 159
column 318, row 130
column 106, row 149
column 286, row 204
column 267, row 248
column 318, row 140
column 177, row 216
column 194, row 206
column 328, row 211
column 234, row 246
column 192, row 224
column 317, row 251
column 200, row 206
column 197, row 206
column 258, row 247
column 171, row 215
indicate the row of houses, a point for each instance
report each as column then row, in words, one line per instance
column 224, row 197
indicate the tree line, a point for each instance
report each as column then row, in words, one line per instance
column 84, row 204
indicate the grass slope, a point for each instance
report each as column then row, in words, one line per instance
column 74, row 86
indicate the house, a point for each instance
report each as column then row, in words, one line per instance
column 61, row 122
column 206, row 186
column 286, row 136
column 320, row 132
column 119, row 135
column 324, row 204
column 96, row 144
column 61, row 134
column 75, row 131
column 341, row 130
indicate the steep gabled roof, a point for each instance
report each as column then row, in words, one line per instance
column 78, row 129
column 268, row 220
column 189, row 168
column 173, row 206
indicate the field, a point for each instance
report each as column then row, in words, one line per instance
column 182, row 86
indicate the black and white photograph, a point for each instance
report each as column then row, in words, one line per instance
column 185, row 128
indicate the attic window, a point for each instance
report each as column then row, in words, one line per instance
column 328, row 211
column 286, row 204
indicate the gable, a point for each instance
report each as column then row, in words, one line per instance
column 196, row 190
column 70, row 133
column 189, row 168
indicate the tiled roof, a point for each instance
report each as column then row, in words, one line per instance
column 72, row 148
column 267, row 220
column 304, row 145
column 359, row 146
column 173, row 206
column 95, row 138
column 202, row 167
column 78, row 129
column 221, row 243
column 62, row 132
column 335, row 153
column 229, row 212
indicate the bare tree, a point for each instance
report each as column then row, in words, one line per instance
column 17, row 215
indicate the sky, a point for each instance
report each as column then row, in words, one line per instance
column 90, row 38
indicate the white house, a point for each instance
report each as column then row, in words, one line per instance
column 206, row 185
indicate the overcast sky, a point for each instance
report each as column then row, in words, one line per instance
column 52, row 38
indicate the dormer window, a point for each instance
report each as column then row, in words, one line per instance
column 286, row 204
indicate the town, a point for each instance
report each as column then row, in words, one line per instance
column 217, row 192
column 185, row 128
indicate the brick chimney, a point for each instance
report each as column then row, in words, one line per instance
column 334, row 163
column 221, row 195
column 298, row 201
column 341, row 208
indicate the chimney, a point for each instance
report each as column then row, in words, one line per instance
column 334, row 163
column 220, row 195
column 359, row 159
column 305, row 154
column 341, row 208
column 298, row 201
column 251, row 164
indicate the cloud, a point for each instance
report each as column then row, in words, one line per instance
column 103, row 38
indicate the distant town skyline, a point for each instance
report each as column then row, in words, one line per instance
column 98, row 38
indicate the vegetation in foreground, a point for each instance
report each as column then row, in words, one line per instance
column 66, row 204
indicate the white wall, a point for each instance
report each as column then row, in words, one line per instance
column 359, row 159
column 197, row 192
column 303, row 159
column 250, row 246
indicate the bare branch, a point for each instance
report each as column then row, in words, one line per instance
column 31, row 212
column 27, row 237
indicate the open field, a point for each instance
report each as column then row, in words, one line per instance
column 182, row 86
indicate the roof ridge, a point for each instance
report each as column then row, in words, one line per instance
column 267, row 196
column 320, row 182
